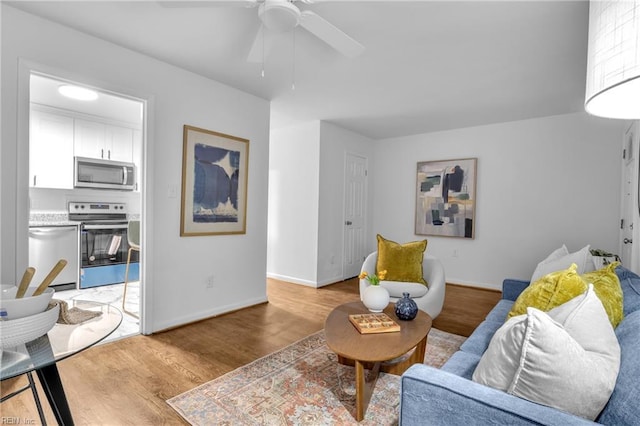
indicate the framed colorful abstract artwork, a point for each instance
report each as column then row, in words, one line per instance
column 446, row 198
column 214, row 183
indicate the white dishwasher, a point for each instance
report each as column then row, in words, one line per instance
column 49, row 244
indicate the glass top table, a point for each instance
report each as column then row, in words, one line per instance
column 62, row 341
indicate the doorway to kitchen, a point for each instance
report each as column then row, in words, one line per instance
column 85, row 177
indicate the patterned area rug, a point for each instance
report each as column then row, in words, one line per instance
column 301, row 384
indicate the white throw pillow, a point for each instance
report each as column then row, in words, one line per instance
column 553, row 256
column 557, row 261
column 567, row 358
column 557, row 253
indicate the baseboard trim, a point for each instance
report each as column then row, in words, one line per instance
column 204, row 315
column 308, row 283
column 292, row 280
column 475, row 287
column 330, row 281
column 480, row 286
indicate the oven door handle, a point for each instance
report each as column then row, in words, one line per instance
column 103, row 226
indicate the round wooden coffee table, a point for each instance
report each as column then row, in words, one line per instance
column 389, row 352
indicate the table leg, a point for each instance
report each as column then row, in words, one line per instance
column 399, row 365
column 36, row 398
column 52, row 385
column 421, row 350
column 364, row 390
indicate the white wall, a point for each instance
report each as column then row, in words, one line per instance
column 176, row 268
column 335, row 143
column 293, row 203
column 306, row 198
column 541, row 183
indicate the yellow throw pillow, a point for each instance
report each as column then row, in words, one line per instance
column 550, row 291
column 403, row 262
column 607, row 287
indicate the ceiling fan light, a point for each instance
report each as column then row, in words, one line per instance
column 621, row 101
column 613, row 66
column 279, row 16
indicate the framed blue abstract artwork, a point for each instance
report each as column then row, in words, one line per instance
column 214, row 183
column 446, row 198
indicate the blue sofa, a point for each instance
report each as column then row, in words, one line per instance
column 448, row 396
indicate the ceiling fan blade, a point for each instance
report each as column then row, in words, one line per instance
column 333, row 1
column 209, row 3
column 330, row 34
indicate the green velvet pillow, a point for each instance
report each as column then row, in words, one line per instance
column 403, row 262
column 551, row 290
column 607, row 287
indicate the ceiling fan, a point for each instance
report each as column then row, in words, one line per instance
column 280, row 16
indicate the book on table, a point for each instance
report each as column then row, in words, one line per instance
column 374, row 323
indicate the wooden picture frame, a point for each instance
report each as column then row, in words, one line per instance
column 214, row 183
column 446, row 198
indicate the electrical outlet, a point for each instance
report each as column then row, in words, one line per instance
column 210, row 281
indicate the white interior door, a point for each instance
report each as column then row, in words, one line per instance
column 629, row 199
column 355, row 201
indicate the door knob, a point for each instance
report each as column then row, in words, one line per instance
column 348, row 222
column 627, row 241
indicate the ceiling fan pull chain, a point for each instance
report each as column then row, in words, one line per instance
column 262, row 31
column 293, row 62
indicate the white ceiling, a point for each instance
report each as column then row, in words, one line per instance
column 428, row 65
column 44, row 91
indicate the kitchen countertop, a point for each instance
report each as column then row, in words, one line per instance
column 51, row 218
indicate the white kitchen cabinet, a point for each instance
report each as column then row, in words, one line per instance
column 50, row 150
column 106, row 141
column 89, row 139
column 119, row 142
column 56, row 136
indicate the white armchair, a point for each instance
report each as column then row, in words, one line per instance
column 429, row 299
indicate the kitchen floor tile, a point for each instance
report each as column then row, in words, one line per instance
column 111, row 294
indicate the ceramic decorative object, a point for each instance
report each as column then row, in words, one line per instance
column 375, row 298
column 406, row 308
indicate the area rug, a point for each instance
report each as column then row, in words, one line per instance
column 301, row 384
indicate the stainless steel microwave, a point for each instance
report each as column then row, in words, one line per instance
column 104, row 174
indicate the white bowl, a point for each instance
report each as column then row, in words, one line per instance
column 22, row 330
column 26, row 305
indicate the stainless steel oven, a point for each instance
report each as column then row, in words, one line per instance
column 103, row 243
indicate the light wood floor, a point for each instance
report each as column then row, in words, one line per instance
column 127, row 382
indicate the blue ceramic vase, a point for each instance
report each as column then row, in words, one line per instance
column 406, row 308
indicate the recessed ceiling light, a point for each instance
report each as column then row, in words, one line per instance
column 78, row 93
